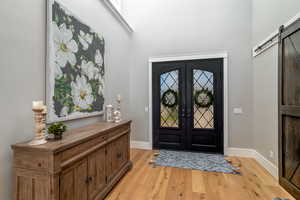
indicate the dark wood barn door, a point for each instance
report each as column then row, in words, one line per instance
column 188, row 105
column 289, row 108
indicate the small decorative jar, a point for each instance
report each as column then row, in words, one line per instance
column 109, row 113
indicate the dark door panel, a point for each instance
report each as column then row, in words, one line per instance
column 205, row 123
column 188, row 125
column 289, row 109
column 168, row 108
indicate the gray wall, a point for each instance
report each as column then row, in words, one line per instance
column 174, row 27
column 267, row 17
column 169, row 27
column 22, row 68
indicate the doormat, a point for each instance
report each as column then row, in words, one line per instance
column 195, row 161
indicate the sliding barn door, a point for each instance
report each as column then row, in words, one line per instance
column 289, row 108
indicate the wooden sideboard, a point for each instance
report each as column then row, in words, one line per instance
column 84, row 165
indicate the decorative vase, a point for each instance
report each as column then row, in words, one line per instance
column 117, row 113
column 117, row 116
column 109, row 113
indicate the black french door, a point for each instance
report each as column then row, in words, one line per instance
column 188, row 105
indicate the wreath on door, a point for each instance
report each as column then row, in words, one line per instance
column 169, row 98
column 203, row 98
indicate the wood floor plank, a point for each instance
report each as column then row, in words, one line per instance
column 160, row 189
column 145, row 182
column 175, row 189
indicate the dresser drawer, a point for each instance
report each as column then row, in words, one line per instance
column 118, row 131
column 81, row 148
column 39, row 161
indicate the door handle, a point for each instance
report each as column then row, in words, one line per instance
column 188, row 115
column 183, row 113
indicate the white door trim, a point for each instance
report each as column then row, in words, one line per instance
column 223, row 55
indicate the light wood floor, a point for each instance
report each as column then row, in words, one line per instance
column 145, row 182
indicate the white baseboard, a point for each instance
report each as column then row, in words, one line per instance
column 240, row 152
column 251, row 153
column 269, row 166
column 230, row 151
column 140, row 145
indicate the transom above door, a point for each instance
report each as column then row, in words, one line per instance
column 188, row 105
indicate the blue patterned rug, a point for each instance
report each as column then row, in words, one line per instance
column 196, row 161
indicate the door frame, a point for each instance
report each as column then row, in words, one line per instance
column 223, row 55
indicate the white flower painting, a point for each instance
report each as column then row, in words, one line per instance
column 89, row 69
column 65, row 45
column 82, row 94
column 75, row 67
column 85, row 39
column 98, row 58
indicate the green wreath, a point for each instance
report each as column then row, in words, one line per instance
column 201, row 103
column 166, row 101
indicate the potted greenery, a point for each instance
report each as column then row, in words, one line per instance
column 57, row 129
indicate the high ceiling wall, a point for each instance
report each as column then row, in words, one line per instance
column 267, row 17
column 22, row 68
column 176, row 27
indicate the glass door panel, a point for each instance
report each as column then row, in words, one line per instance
column 169, row 115
column 203, row 101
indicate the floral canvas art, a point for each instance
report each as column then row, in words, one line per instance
column 75, row 67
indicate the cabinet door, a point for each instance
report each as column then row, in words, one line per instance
column 122, row 155
column 96, row 172
column 117, row 155
column 29, row 184
column 73, row 182
column 110, row 160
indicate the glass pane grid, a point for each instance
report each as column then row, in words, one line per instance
column 203, row 117
column 169, row 116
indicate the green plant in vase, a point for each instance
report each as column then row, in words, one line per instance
column 57, row 129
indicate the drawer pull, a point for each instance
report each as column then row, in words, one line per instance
column 119, row 155
column 88, row 180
